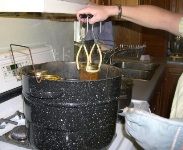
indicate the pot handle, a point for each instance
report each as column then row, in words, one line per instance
column 19, row 73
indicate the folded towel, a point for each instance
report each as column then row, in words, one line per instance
column 153, row 132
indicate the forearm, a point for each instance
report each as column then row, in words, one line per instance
column 145, row 15
column 152, row 17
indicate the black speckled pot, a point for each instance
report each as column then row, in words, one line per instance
column 71, row 114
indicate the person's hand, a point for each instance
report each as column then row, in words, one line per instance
column 99, row 13
column 153, row 132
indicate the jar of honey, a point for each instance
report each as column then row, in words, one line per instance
column 88, row 75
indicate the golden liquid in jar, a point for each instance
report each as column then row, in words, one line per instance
column 84, row 75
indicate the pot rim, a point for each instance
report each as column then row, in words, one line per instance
column 74, row 80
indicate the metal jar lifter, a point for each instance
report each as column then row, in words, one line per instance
column 89, row 70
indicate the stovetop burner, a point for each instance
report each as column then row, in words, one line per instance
column 17, row 136
column 19, row 133
column 14, row 131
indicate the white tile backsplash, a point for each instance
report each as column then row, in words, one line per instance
column 38, row 31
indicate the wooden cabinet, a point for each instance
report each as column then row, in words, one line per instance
column 130, row 33
column 156, row 40
column 172, row 75
column 126, row 32
column 101, row 2
column 162, row 3
column 163, row 96
column 177, row 6
column 125, row 2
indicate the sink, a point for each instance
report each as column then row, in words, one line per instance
column 138, row 74
column 137, row 69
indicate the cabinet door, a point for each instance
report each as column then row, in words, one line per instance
column 161, row 101
column 161, row 3
column 177, row 6
column 126, row 32
column 124, row 2
column 129, row 33
column 156, row 40
column 101, row 2
column 132, row 2
column 156, row 102
column 171, row 78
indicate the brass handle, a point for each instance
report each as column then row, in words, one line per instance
column 90, row 59
column 78, row 53
column 89, row 56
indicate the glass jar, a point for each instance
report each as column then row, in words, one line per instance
column 85, row 75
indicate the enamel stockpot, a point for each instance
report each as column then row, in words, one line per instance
column 70, row 114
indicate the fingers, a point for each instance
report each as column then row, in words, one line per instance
column 84, row 20
column 90, row 20
column 95, row 11
column 82, row 12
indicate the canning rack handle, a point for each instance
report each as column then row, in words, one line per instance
column 13, row 56
column 78, row 53
column 90, row 58
column 91, row 52
column 82, row 46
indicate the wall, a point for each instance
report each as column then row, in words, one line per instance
column 38, row 31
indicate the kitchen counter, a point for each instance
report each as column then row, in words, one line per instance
column 175, row 62
column 143, row 89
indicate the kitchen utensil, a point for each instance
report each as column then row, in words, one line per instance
column 89, row 62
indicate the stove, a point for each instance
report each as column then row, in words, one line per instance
column 12, row 121
column 13, row 132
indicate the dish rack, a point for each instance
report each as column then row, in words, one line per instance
column 124, row 52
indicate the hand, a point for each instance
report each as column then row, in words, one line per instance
column 153, row 132
column 99, row 13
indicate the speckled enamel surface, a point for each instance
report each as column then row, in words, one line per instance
column 71, row 115
column 45, row 139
